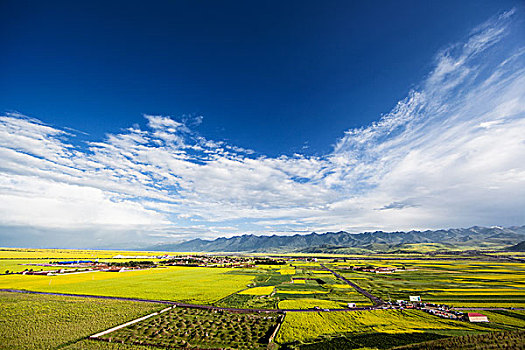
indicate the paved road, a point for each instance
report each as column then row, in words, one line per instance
column 376, row 300
column 487, row 308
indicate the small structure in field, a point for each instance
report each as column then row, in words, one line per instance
column 415, row 298
column 475, row 317
column 39, row 273
column 385, row 270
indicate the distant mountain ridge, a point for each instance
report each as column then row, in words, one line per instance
column 520, row 247
column 462, row 238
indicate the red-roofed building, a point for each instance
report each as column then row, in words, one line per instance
column 475, row 317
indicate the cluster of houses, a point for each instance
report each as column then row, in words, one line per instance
column 443, row 311
column 132, row 263
column 212, row 261
column 456, row 315
column 77, row 266
column 381, row 269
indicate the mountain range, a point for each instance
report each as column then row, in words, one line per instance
column 344, row 242
column 520, row 247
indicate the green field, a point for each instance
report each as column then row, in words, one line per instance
column 32, row 321
column 455, row 283
column 308, row 303
column 312, row 326
column 487, row 341
column 271, row 289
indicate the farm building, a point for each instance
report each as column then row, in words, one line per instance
column 39, row 273
column 384, row 270
column 475, row 317
column 73, row 262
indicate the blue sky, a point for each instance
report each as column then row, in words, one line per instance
column 158, row 121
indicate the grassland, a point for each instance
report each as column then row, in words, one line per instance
column 183, row 327
column 244, row 301
column 44, row 322
column 308, row 303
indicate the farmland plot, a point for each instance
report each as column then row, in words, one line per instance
column 184, row 284
column 183, row 327
column 309, row 327
column 31, row 321
column 456, row 283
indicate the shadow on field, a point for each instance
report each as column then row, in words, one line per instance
column 372, row 340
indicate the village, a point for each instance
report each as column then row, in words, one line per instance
column 381, row 269
column 131, row 263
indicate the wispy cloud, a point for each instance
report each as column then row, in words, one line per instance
column 452, row 153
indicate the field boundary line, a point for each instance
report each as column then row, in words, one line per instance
column 376, row 300
column 191, row 306
column 97, row 335
column 274, row 334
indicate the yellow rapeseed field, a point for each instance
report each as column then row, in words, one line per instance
column 185, row 284
column 299, row 281
column 257, row 291
column 287, row 271
column 307, row 326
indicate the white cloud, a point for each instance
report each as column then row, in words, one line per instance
column 450, row 154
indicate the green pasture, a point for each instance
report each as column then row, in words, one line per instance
column 31, row 321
